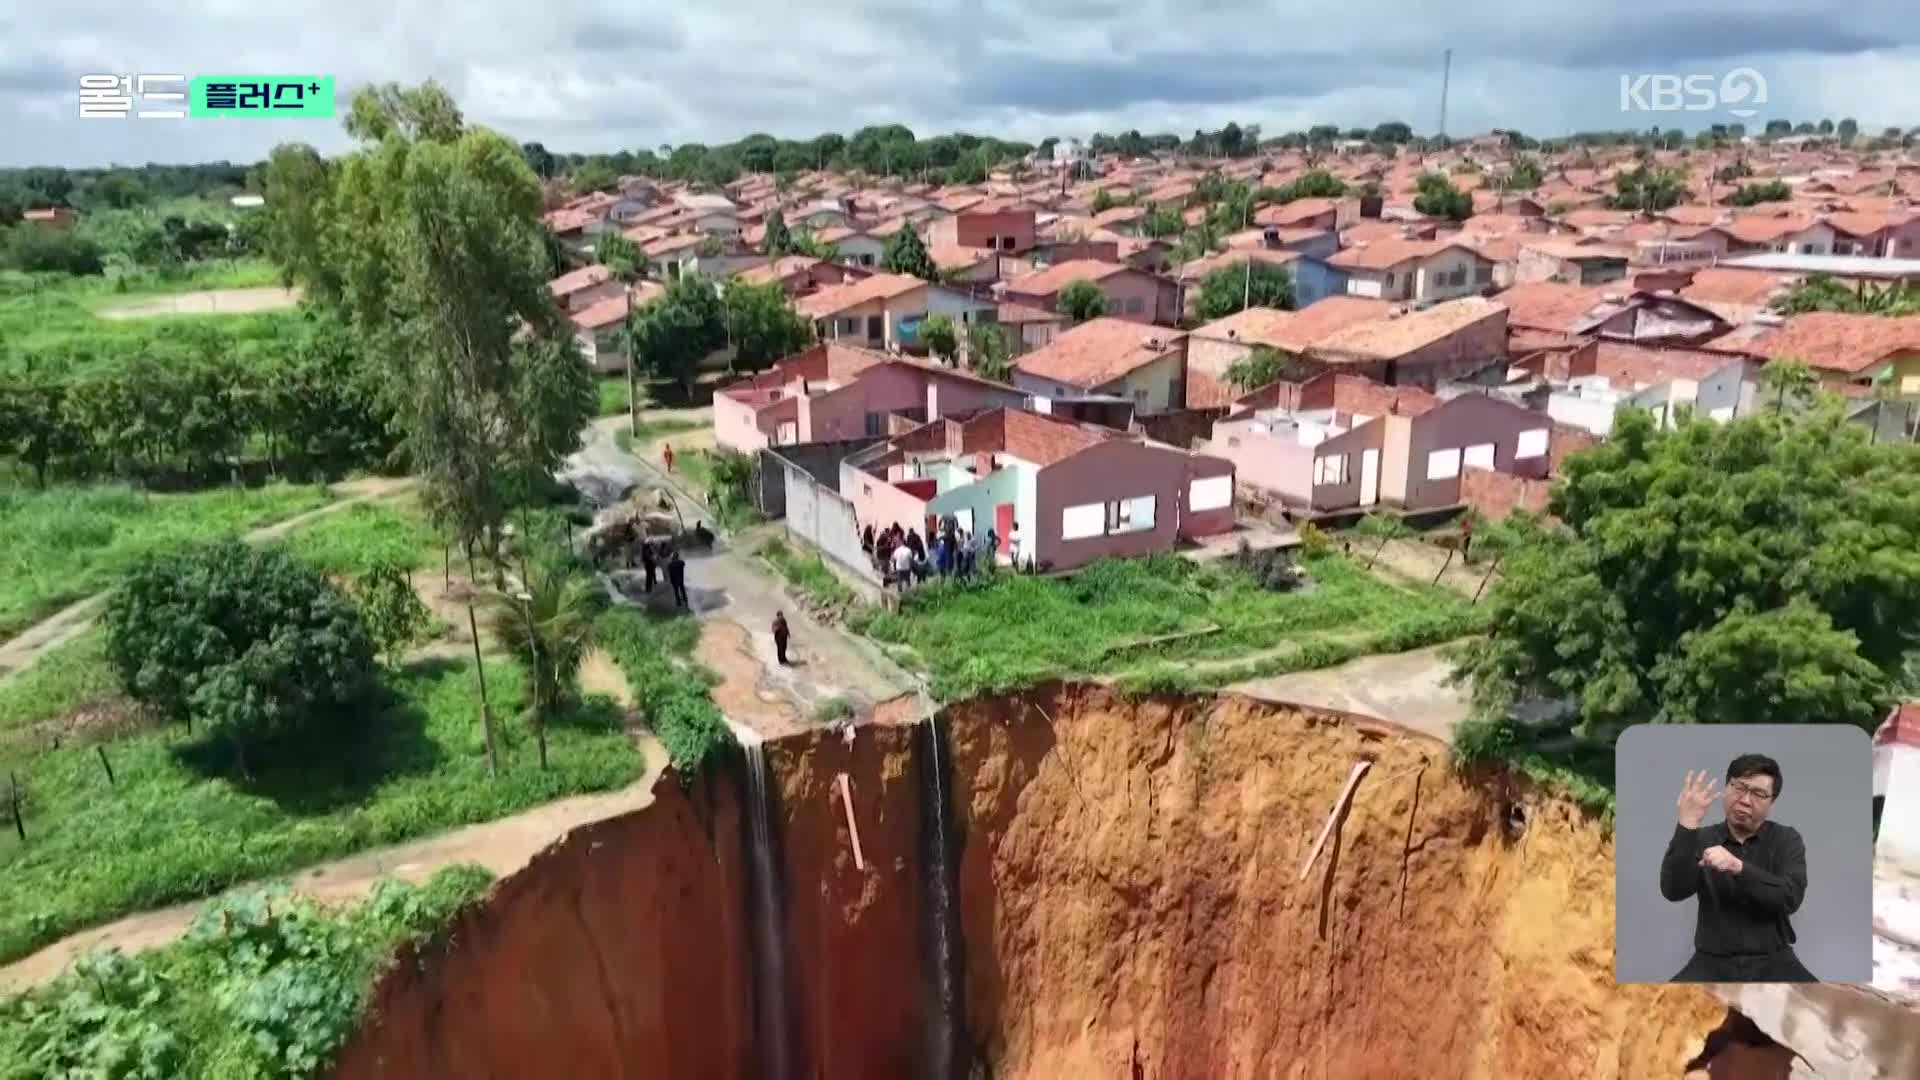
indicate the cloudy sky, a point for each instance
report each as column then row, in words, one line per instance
column 600, row 75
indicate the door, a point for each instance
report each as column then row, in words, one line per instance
column 1003, row 523
column 875, row 328
column 1369, row 477
column 789, row 432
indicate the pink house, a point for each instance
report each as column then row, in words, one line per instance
column 833, row 391
column 1134, row 295
column 1076, row 492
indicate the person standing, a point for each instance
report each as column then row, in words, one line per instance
column 902, row 566
column 1466, row 538
column 677, row 577
column 666, row 455
column 648, row 562
column 1747, row 874
column 780, row 637
column 1013, row 545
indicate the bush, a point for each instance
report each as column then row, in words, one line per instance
column 249, row 641
column 668, row 686
column 1314, row 541
column 394, row 616
column 1273, row 568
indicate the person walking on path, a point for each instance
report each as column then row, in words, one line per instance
column 648, row 562
column 666, row 455
column 780, row 637
column 677, row 577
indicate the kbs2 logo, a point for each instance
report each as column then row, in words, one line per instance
column 1737, row 92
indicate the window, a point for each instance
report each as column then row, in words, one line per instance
column 1389, row 281
column 850, row 326
column 1483, row 274
column 876, row 423
column 1080, row 522
column 1006, row 243
column 1233, row 441
column 1140, row 394
column 1331, row 469
column 1210, row 493
column 963, row 517
column 1480, row 455
column 1532, row 444
column 1443, row 464
column 1135, row 305
column 1130, row 515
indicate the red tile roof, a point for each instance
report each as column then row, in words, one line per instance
column 1829, row 341
column 840, row 297
column 1031, row 437
column 1014, row 314
column 1396, row 336
column 778, row 270
column 1549, row 305
column 1253, row 326
column 1295, row 212
column 573, row 281
column 1325, row 318
column 1636, row 367
column 602, row 313
column 1388, row 253
column 1902, row 725
column 1060, row 275
column 1099, row 351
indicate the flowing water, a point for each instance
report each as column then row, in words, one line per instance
column 769, row 945
column 946, row 957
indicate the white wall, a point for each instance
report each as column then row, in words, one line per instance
column 1593, row 415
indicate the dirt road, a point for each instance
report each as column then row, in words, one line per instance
column 205, row 302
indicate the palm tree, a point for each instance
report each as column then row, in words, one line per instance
column 548, row 624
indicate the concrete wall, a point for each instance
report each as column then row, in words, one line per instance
column 1461, row 353
column 1497, row 494
column 1725, row 394
column 876, row 501
column 1180, row 427
column 1427, row 276
column 736, row 426
column 1154, row 387
column 1468, row 421
column 946, row 397
column 1589, row 414
column 1353, row 445
column 819, row 460
column 1106, row 473
column 1269, row 465
column 981, row 497
column 822, row 518
column 1197, row 523
column 1314, row 280
column 974, row 229
column 1211, row 356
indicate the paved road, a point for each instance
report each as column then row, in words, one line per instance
column 1406, row 688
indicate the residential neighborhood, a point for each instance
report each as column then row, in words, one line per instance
column 528, row 575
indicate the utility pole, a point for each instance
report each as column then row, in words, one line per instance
column 1446, row 77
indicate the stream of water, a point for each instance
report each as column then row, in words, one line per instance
column 769, row 946
column 940, row 901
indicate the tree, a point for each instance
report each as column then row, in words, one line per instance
column 52, row 251
column 298, row 182
column 548, row 626
column 1392, row 132
column 395, row 618
column 1765, row 569
column 1788, row 381
column 1752, row 194
column 940, row 338
column 1317, row 184
column 1262, row 366
column 1103, row 201
column 1385, row 528
column 761, row 325
column 1525, row 175
column 430, row 233
column 1081, row 300
column 1244, row 284
column 805, row 242
column 989, row 353
column 673, row 333
column 538, row 159
column 1849, row 127
column 1777, row 128
column 778, row 240
column 906, row 254
column 1437, row 197
column 34, row 422
column 251, row 642
column 1161, row 221
column 620, row 255
column 1648, row 188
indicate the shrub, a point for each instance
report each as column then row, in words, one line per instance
column 392, row 611
column 669, row 688
column 832, row 710
column 1314, row 541
column 250, row 641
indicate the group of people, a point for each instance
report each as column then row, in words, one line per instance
column 658, row 555
column 904, row 558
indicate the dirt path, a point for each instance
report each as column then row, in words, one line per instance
column 1406, row 688
column 204, row 302
column 23, row 650
column 1416, row 562
column 502, row 846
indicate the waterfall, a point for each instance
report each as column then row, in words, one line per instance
column 769, row 938
column 943, row 919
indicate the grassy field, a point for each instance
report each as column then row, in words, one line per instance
column 808, row 573
column 1164, row 620
column 52, row 318
column 178, row 823
column 68, row 677
column 65, row 543
column 354, row 540
column 613, row 395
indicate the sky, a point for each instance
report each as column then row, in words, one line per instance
column 602, row 75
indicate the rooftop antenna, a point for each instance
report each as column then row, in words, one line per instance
column 1446, row 76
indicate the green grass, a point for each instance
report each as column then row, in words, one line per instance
column 179, row 824
column 1551, row 755
column 65, row 543
column 613, row 395
column 1004, row 632
column 808, row 572
column 655, row 651
column 64, row 679
column 354, row 540
column 263, row 984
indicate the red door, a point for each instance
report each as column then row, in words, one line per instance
column 1003, row 523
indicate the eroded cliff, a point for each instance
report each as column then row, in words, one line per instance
column 1127, row 903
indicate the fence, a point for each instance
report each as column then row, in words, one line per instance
column 820, row 460
column 817, row 514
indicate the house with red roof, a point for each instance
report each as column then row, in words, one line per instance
column 1071, row 493
column 1134, row 295
column 1111, row 359
column 1847, row 351
column 832, row 391
column 582, row 288
column 1424, row 271
column 885, row 311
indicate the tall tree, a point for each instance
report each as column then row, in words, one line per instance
column 938, row 335
column 671, row 335
column 1245, row 284
column 620, row 255
column 1437, row 197
column 1082, row 300
column 548, row 626
column 906, row 254
column 989, row 353
column 778, row 241
column 1762, row 570
column 762, row 326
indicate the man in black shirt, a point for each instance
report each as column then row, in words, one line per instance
column 1749, row 874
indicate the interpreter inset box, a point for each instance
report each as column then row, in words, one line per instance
column 1743, row 853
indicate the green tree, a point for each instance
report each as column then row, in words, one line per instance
column 940, row 338
column 298, row 185
column 595, row 175
column 761, row 325
column 676, row 331
column 906, row 254
column 1244, row 284
column 433, row 230
column 620, row 255
column 806, row 242
column 989, row 353
column 395, row 618
column 250, row 642
column 1081, row 300
column 1161, row 221
column 1262, row 366
column 1849, row 127
column 1788, row 381
column 1525, row 175
column 1648, row 188
column 778, row 240
column 34, row 423
column 548, row 626
column 1762, row 570
column 1752, row 194
column 1103, row 201
column 1435, row 196
column 51, row 251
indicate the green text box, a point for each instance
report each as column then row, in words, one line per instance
column 261, row 95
